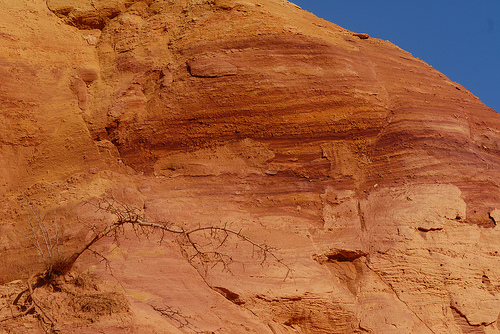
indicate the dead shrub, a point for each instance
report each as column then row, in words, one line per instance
column 94, row 306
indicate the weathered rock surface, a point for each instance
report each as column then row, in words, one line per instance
column 374, row 176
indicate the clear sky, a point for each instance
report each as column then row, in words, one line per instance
column 460, row 38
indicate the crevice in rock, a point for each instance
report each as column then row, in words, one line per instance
column 465, row 322
column 485, row 280
column 112, row 132
column 424, row 229
column 455, row 307
column 346, row 255
column 339, row 255
column 492, row 218
column 229, row 295
column 280, row 299
column 361, row 217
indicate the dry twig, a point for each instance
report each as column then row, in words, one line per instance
column 216, row 238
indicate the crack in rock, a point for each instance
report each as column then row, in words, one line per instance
column 399, row 298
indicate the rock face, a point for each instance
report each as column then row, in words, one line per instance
column 373, row 175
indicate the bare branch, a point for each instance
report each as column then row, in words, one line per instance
column 181, row 320
column 55, row 228
column 35, row 241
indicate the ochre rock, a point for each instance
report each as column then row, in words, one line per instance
column 373, row 175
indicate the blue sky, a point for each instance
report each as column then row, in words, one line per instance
column 459, row 38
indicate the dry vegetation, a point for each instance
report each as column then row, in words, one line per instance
column 58, row 290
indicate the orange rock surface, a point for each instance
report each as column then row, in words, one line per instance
column 373, row 175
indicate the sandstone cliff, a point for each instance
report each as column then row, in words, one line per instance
column 373, row 175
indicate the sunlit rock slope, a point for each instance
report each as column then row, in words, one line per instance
column 373, row 175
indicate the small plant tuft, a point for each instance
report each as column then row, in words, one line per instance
column 45, row 237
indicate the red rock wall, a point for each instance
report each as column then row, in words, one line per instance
column 373, row 174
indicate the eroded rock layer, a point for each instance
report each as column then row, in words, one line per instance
column 373, row 175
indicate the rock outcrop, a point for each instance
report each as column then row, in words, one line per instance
column 373, row 175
